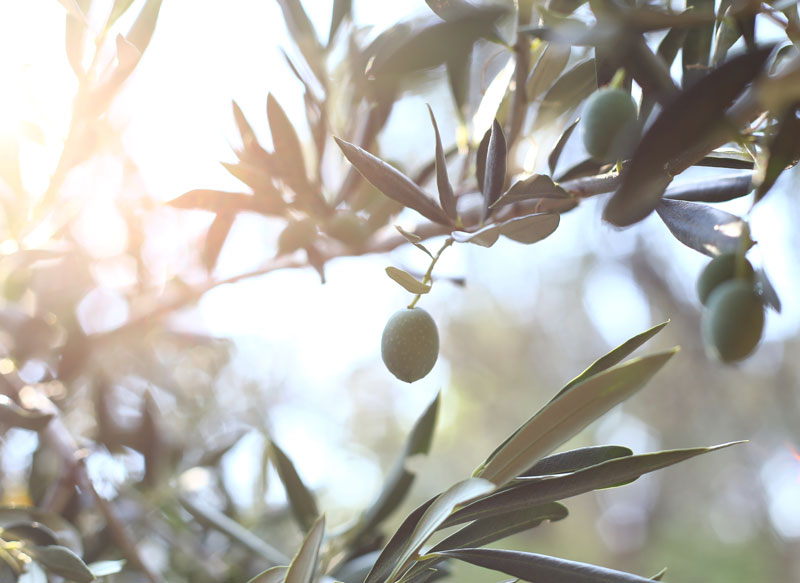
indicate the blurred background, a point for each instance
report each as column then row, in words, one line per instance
column 286, row 356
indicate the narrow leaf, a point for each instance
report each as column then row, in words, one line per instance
column 532, row 187
column 145, row 24
column 539, row 490
column 495, row 173
column 768, row 290
column 527, row 229
column 341, row 10
column 392, row 182
column 568, row 414
column 287, row 147
column 407, row 281
column 784, row 150
column 414, row 240
column 106, row 568
column 271, row 575
column 701, row 227
column 62, row 561
column 717, row 190
column 301, row 500
column 118, row 9
column 75, row 34
column 567, row 93
column 534, row 567
column 458, row 75
column 576, row 459
column 218, row 201
column 697, row 44
column 552, row 159
column 215, row 239
column 447, row 199
column 686, row 120
column 480, row 158
column 549, row 66
column 304, row 564
column 399, row 479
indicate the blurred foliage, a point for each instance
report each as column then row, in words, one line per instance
column 130, row 416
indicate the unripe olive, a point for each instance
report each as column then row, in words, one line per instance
column 719, row 270
column 734, row 321
column 410, row 344
column 296, row 235
column 609, row 124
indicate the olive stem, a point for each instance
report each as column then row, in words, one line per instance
column 427, row 277
column 744, row 244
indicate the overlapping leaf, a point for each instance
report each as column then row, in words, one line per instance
column 447, row 199
column 720, row 189
column 527, row 229
column 701, row 227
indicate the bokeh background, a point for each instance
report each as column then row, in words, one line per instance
column 286, row 356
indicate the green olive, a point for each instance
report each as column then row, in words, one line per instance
column 719, row 270
column 609, row 124
column 734, row 321
column 296, row 235
column 410, row 344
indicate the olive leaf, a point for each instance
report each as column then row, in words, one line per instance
column 768, row 290
column 568, row 414
column 414, row 239
column 576, row 459
column 495, row 172
column 480, row 158
column 341, row 9
column 701, row 227
column 686, row 120
column 301, row 500
column 392, row 182
column 61, row 561
column 106, row 568
column 271, row 575
column 408, row 281
column 526, row 229
column 215, row 239
column 720, row 189
column 447, row 199
column 548, row 67
column 532, row 187
column 218, row 201
column 304, row 563
column 784, row 150
column 145, row 24
column 555, row 154
column 567, row 93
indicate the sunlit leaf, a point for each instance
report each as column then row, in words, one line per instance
column 75, row 33
column 697, row 44
column 447, row 199
column 301, row 500
column 576, row 459
column 527, row 492
column 287, row 148
column 683, row 122
column 408, row 281
column 547, row 69
column 392, row 182
column 567, row 93
column 12, row 415
column 568, row 414
column 414, row 240
column 304, row 564
column 495, row 172
column 535, row 567
column 61, row 561
column 701, row 227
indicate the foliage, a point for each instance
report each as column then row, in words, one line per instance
column 730, row 109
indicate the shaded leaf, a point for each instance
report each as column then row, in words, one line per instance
column 341, row 10
column 61, row 561
column 572, row 411
column 399, row 479
column 717, row 190
column 533, row 491
column 683, row 122
column 784, row 150
column 304, row 564
column 407, row 281
column 767, row 290
column 567, row 93
column 701, row 227
column 447, row 199
column 534, row 567
column 304, row 37
column 271, row 575
column 576, row 459
column 392, row 182
column 697, row 44
column 211, row 517
column 480, row 158
column 555, row 154
column 215, row 239
column 218, row 201
column 249, row 139
column 734, row 160
column 12, row 415
column 532, row 187
column 495, row 173
column 301, row 500
column 458, row 69
column 145, row 24
column 548, row 67
column 527, row 229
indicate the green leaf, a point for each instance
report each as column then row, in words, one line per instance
column 447, row 199
column 697, row 44
column 495, row 173
column 213, row 518
column 61, row 561
column 615, row 356
column 414, row 240
column 408, row 281
column 684, row 122
column 533, row 491
column 12, row 415
column 576, row 459
column 718, row 190
column 572, row 411
column 567, row 93
column 547, row 69
column 784, row 150
column 419, row 527
column 142, row 30
column 458, row 75
column 301, row 500
column 271, row 575
column 552, row 159
column 530, row 188
column 392, row 182
column 480, row 158
column 399, row 479
column 106, row 568
column 535, row 567
column 304, row 564
column 526, row 229
column 701, row 227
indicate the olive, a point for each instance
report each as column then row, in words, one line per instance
column 296, row 235
column 734, row 321
column 410, row 344
column 719, row 270
column 609, row 124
